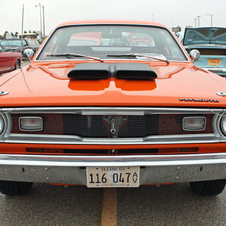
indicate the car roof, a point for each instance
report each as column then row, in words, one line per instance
column 120, row 22
column 12, row 39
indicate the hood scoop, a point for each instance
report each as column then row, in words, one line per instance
column 96, row 71
column 89, row 71
column 135, row 71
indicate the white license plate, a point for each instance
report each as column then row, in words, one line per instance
column 113, row 176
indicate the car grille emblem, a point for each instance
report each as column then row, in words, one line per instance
column 114, row 123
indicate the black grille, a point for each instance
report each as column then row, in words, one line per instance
column 98, row 126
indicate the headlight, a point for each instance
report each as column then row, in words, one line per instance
column 2, row 124
column 223, row 124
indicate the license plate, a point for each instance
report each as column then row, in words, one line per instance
column 214, row 62
column 113, row 176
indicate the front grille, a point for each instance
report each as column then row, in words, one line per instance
column 100, row 126
column 107, row 126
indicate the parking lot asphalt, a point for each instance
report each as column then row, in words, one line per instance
column 146, row 205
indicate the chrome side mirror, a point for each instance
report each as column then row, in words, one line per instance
column 194, row 54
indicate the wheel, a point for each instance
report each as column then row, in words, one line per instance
column 214, row 187
column 13, row 188
column 17, row 65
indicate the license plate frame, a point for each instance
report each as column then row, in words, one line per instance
column 101, row 177
column 214, row 62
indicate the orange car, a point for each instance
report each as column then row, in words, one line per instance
column 113, row 114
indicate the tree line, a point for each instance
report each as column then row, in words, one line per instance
column 16, row 33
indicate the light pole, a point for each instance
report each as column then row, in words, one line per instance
column 211, row 19
column 42, row 14
column 195, row 21
column 198, row 20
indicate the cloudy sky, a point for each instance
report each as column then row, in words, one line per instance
column 169, row 12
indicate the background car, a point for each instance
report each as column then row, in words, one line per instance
column 15, row 45
column 9, row 60
column 211, row 43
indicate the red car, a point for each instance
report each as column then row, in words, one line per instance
column 9, row 61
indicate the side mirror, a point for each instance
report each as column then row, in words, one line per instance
column 194, row 54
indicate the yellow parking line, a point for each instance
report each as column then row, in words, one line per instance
column 109, row 207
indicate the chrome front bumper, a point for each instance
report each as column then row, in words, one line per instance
column 153, row 168
column 217, row 70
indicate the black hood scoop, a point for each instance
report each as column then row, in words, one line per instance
column 96, row 71
column 89, row 71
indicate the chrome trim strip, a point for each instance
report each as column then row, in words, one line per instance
column 63, row 139
column 112, row 110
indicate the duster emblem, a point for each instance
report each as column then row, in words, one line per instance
column 221, row 94
column 2, row 93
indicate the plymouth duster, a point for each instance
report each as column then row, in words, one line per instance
column 96, row 108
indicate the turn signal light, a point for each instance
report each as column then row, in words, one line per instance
column 30, row 123
column 194, row 123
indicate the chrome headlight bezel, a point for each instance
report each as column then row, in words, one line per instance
column 223, row 124
column 2, row 124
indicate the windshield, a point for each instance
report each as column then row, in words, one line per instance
column 15, row 42
column 106, row 40
column 33, row 42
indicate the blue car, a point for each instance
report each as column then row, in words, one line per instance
column 211, row 43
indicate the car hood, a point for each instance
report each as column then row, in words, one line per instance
column 175, row 85
column 205, row 35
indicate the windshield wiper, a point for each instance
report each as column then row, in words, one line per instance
column 74, row 55
column 135, row 55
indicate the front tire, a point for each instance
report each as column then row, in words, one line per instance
column 214, row 187
column 17, row 65
column 12, row 188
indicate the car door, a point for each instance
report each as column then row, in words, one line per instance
column 4, row 60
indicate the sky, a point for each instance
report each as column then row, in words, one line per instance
column 169, row 12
